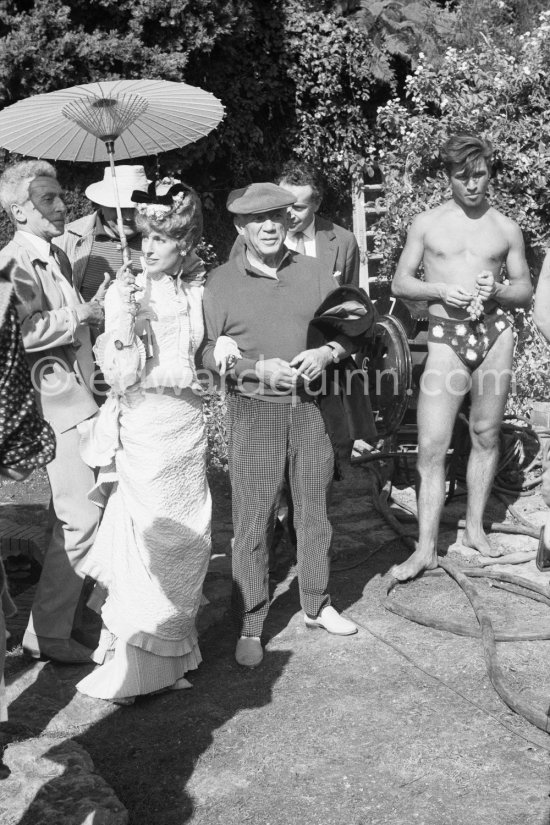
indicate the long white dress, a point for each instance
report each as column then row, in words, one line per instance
column 153, row 545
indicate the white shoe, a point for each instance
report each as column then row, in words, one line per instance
column 249, row 651
column 332, row 622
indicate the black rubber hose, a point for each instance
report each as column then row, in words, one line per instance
column 516, row 633
column 523, row 529
column 512, row 588
column 520, row 702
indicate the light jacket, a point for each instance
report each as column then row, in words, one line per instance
column 58, row 347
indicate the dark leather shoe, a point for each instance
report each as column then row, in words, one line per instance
column 64, row 651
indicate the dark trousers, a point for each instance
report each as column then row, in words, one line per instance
column 263, row 438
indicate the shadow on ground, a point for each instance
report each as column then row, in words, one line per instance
column 396, row 725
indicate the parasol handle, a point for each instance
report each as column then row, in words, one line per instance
column 110, row 146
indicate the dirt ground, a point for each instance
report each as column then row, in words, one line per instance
column 398, row 724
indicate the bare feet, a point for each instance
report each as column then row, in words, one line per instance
column 480, row 542
column 419, row 561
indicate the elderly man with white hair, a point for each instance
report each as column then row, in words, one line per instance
column 55, row 325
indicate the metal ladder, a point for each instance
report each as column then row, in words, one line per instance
column 368, row 205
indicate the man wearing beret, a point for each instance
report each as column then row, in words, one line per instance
column 309, row 233
column 262, row 300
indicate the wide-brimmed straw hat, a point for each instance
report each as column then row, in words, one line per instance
column 128, row 179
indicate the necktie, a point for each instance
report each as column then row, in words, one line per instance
column 60, row 269
column 300, row 244
column 62, row 262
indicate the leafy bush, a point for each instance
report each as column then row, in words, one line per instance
column 295, row 79
column 491, row 92
column 215, row 411
column 531, row 367
column 504, row 96
column 334, row 66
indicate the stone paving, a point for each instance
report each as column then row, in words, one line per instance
column 52, row 779
column 409, row 727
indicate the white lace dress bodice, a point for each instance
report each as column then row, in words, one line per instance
column 169, row 324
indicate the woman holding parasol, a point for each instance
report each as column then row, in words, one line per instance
column 152, row 550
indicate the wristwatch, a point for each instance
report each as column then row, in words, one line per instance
column 334, row 352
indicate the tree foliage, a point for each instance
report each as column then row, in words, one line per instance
column 50, row 44
column 503, row 21
column 295, row 78
column 306, row 78
column 488, row 91
column 403, row 28
column 332, row 67
column 505, row 97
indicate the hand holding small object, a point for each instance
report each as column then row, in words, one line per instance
column 310, row 363
column 276, row 373
column 127, row 287
column 485, row 283
column 125, row 275
column 455, row 295
column 226, row 354
column 99, row 297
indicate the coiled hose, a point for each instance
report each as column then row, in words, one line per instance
column 508, row 482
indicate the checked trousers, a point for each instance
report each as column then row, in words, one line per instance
column 263, row 437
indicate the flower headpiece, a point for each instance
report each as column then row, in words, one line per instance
column 158, row 206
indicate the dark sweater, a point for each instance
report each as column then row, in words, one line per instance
column 266, row 317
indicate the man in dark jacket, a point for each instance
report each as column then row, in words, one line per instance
column 334, row 247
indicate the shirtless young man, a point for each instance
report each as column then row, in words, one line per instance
column 463, row 245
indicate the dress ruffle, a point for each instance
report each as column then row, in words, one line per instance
column 127, row 670
column 152, row 548
column 153, row 545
